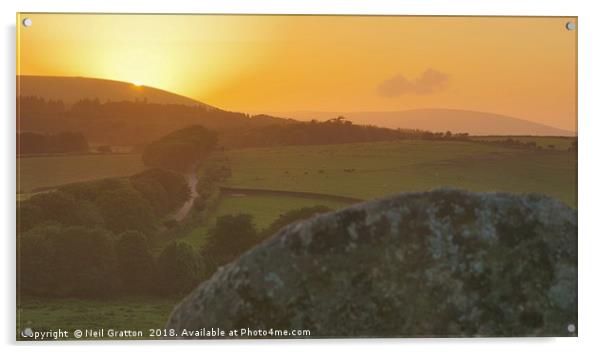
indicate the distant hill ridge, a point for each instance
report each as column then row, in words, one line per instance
column 454, row 120
column 126, row 123
column 72, row 89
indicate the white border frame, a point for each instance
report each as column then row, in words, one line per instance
column 590, row 145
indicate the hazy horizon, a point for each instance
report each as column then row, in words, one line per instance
column 307, row 115
column 302, row 115
column 72, row 89
column 521, row 67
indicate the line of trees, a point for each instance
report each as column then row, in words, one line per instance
column 93, row 238
column 180, row 150
column 59, row 260
column 128, row 123
column 523, row 144
column 66, row 261
column 233, row 235
column 64, row 142
column 134, row 123
column 333, row 131
column 115, row 204
column 214, row 170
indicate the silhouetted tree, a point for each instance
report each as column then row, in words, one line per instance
column 135, row 262
column 165, row 190
column 67, row 261
column 293, row 216
column 180, row 150
column 179, row 268
column 125, row 209
column 36, row 267
column 60, row 207
column 229, row 238
column 65, row 142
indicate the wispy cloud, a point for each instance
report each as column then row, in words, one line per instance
column 430, row 81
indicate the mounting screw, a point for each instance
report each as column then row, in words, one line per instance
column 570, row 26
column 571, row 328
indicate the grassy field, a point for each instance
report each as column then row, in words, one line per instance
column 41, row 172
column 372, row 170
column 377, row 169
column 264, row 209
column 546, row 142
column 135, row 313
column 364, row 171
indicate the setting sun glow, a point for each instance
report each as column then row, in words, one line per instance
column 521, row 67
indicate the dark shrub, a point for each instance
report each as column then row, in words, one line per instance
column 293, row 216
column 125, row 209
column 67, row 261
column 231, row 236
column 28, row 216
column 181, row 149
column 90, row 190
column 179, row 268
column 37, row 267
column 86, row 261
column 59, row 207
column 36, row 143
column 135, row 261
column 165, row 190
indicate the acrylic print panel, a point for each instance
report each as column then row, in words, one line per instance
column 246, row 176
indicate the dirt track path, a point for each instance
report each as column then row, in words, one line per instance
column 192, row 180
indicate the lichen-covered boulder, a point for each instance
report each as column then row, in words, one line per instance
column 440, row 263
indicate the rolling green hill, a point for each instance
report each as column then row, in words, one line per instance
column 276, row 180
column 38, row 173
column 370, row 170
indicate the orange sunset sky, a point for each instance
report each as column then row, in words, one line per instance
column 522, row 67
